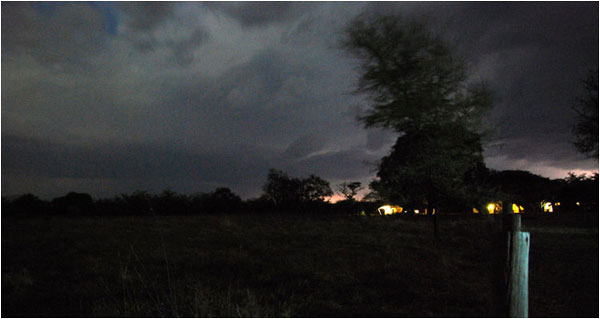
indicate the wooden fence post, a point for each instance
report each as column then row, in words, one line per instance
column 517, row 286
column 517, row 267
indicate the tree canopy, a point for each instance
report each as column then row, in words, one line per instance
column 349, row 190
column 411, row 76
column 430, row 166
column 419, row 88
column 283, row 190
column 586, row 128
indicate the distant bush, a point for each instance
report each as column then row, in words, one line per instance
column 289, row 195
column 74, row 204
column 221, row 200
column 169, row 203
column 27, row 204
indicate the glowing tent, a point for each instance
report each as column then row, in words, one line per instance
column 389, row 210
column 494, row 208
column 517, row 209
column 546, row 207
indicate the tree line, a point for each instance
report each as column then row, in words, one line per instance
column 284, row 194
column 281, row 194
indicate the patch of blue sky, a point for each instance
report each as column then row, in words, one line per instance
column 109, row 14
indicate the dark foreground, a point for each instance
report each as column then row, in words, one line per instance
column 235, row 265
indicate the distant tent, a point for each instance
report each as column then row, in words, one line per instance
column 517, row 209
column 547, row 207
column 494, row 208
column 389, row 210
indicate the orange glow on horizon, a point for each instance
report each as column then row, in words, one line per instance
column 336, row 198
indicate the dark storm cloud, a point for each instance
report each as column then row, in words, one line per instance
column 377, row 138
column 145, row 16
column 69, row 34
column 275, row 105
column 305, row 145
column 557, row 154
column 256, row 14
column 116, row 97
column 535, row 55
column 144, row 20
column 341, row 165
column 148, row 164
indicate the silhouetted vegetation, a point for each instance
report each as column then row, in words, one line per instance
column 418, row 88
column 419, row 173
column 73, row 203
column 287, row 193
column 25, row 204
column 349, row 190
column 575, row 194
column 586, row 128
column 290, row 253
column 284, row 194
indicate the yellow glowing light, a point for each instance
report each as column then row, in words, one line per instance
column 475, row 210
column 389, row 210
column 385, row 210
column 517, row 209
column 557, row 204
column 491, row 208
column 547, row 206
column 578, row 204
column 416, row 211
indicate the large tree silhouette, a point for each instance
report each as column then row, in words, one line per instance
column 315, row 189
column 586, row 128
column 349, row 190
column 417, row 87
column 431, row 167
column 283, row 190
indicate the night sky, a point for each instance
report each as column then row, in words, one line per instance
column 108, row 98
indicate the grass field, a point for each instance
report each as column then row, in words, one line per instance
column 271, row 265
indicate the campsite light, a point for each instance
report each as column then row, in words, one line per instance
column 557, row 204
column 517, row 209
column 491, row 207
column 385, row 210
column 416, row 211
column 547, row 206
column 475, row 210
column 578, row 204
column 389, row 210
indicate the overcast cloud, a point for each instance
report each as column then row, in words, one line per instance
column 112, row 97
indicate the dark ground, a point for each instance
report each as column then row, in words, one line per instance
column 273, row 265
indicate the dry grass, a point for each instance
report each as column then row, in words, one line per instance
column 266, row 266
